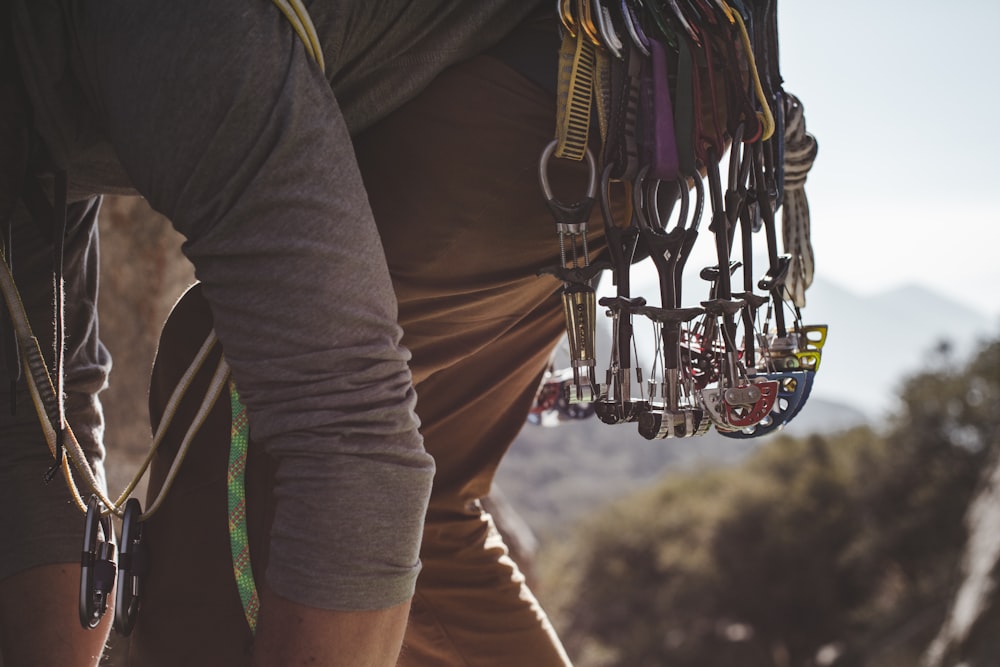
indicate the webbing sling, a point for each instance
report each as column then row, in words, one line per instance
column 575, row 92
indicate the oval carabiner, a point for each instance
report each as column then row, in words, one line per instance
column 97, row 566
column 565, row 10
column 132, row 566
column 609, row 38
column 543, row 172
column 639, row 198
column 657, row 218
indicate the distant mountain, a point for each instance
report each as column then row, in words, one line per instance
column 876, row 341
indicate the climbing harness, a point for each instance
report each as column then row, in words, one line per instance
column 677, row 84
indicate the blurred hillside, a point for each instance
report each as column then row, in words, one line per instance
column 841, row 550
column 556, row 476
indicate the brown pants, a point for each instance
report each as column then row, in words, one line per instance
column 452, row 179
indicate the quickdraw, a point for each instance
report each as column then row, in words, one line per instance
column 686, row 81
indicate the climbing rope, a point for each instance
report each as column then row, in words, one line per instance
column 237, row 505
column 298, row 17
column 43, row 394
column 800, row 152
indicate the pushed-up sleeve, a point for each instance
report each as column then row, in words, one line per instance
column 226, row 127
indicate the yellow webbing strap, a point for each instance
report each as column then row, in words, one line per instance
column 584, row 81
column 577, row 66
column 302, row 24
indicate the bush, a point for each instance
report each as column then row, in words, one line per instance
column 842, row 547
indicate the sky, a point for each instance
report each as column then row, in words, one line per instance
column 903, row 99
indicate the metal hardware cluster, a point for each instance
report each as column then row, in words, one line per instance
column 101, row 563
column 676, row 84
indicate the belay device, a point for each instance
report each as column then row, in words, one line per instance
column 676, row 84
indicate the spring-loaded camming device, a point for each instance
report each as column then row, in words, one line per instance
column 673, row 413
column 616, row 404
column 738, row 401
column 578, row 274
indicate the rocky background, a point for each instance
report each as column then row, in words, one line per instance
column 142, row 274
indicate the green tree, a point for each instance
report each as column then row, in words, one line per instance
column 849, row 540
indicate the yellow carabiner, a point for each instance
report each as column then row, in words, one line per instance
column 566, row 16
column 588, row 23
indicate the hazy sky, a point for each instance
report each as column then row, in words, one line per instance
column 904, row 99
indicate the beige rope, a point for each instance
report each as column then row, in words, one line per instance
column 42, row 392
column 800, row 152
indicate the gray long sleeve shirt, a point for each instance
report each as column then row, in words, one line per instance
column 215, row 114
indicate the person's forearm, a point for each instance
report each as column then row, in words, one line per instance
column 291, row 634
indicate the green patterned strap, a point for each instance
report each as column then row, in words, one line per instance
column 236, row 492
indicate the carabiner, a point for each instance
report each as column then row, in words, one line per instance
column 133, row 566
column 97, row 566
column 609, row 38
column 543, row 172
column 588, row 24
column 565, row 10
column 631, row 20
